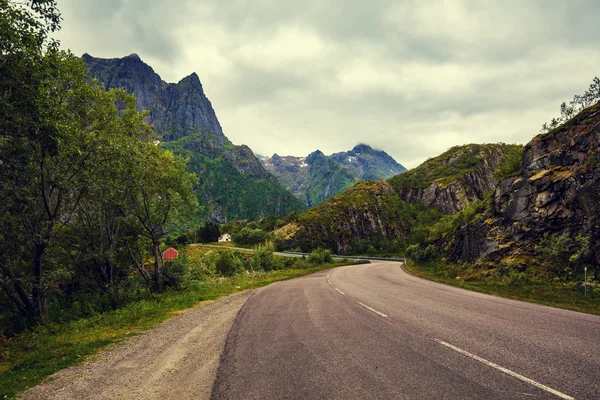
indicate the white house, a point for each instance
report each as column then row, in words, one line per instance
column 226, row 237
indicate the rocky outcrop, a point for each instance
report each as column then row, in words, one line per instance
column 318, row 177
column 557, row 192
column 175, row 109
column 455, row 179
column 366, row 212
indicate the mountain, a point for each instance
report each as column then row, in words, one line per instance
column 389, row 214
column 318, row 177
column 233, row 183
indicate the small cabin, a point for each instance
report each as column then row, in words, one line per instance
column 226, row 237
column 170, row 254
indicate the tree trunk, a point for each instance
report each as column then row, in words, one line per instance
column 39, row 293
column 157, row 266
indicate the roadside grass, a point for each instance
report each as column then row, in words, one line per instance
column 28, row 359
column 559, row 294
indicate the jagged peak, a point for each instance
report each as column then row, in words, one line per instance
column 133, row 56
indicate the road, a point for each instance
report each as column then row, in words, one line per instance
column 374, row 331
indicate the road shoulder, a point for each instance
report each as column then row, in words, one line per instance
column 177, row 359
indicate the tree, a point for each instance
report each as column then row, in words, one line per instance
column 579, row 102
column 162, row 192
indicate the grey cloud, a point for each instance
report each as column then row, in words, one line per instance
column 411, row 77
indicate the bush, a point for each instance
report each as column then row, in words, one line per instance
column 249, row 236
column 280, row 243
column 320, row 256
column 417, row 254
column 263, row 257
column 229, row 264
column 176, row 273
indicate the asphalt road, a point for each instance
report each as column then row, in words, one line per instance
column 375, row 332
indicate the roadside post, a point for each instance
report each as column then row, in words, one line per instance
column 585, row 281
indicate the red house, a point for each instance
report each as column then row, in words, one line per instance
column 170, row 254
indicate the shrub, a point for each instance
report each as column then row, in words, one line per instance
column 228, row 263
column 263, row 257
column 249, row 236
column 320, row 256
column 176, row 273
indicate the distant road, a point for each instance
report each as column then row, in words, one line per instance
column 375, row 332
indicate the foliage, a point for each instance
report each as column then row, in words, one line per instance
column 249, row 236
column 223, row 188
column 229, row 264
column 579, row 103
column 263, row 258
column 562, row 254
column 85, row 189
column 511, row 163
column 320, row 256
column 209, row 233
column 176, row 273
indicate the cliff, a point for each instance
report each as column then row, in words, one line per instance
column 175, row 109
column 557, row 192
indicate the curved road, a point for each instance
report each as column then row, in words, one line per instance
column 374, row 331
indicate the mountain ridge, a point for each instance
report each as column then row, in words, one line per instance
column 317, row 177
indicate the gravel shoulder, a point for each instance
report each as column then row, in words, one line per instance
column 177, row 359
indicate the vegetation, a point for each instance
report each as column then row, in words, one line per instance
column 452, row 165
column 579, row 102
column 86, row 193
column 27, row 359
column 225, row 191
column 511, row 282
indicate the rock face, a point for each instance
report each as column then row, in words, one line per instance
column 557, row 192
column 453, row 180
column 233, row 183
column 318, row 177
column 175, row 109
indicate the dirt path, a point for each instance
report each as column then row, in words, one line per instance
column 176, row 360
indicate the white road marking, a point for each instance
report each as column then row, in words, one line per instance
column 506, row 370
column 372, row 309
column 339, row 291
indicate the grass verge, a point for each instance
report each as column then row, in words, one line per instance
column 559, row 294
column 28, row 359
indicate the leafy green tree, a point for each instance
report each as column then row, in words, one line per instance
column 26, row 67
column 162, row 192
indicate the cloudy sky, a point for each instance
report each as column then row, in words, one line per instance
column 410, row 77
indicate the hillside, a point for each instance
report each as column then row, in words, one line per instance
column 456, row 178
column 233, row 183
column 553, row 202
column 317, row 177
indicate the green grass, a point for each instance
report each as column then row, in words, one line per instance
column 559, row 294
column 28, row 359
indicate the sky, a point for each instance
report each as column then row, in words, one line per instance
column 413, row 78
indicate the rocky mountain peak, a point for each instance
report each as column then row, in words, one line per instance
column 176, row 110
